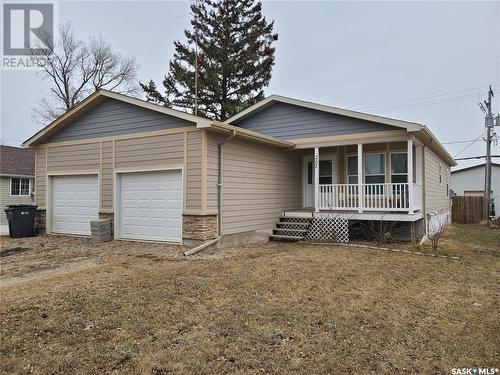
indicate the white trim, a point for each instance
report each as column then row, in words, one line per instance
column 409, row 170
column 410, row 126
column 361, row 177
column 72, row 173
column 316, row 178
column 116, row 201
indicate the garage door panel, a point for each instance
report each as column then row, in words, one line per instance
column 75, row 202
column 151, row 205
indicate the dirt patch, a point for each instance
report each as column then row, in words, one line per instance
column 271, row 308
column 12, row 251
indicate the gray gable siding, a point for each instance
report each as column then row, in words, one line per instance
column 288, row 121
column 113, row 117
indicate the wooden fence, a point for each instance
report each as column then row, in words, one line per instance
column 468, row 210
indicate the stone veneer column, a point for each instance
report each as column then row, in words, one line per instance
column 199, row 227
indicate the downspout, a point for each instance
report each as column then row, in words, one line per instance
column 221, row 180
column 219, row 186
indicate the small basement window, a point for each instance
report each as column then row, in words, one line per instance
column 20, row 186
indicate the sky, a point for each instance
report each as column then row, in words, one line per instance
column 427, row 62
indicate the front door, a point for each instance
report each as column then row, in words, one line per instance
column 327, row 176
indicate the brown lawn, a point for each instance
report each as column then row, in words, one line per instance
column 273, row 308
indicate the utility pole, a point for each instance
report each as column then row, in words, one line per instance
column 489, row 129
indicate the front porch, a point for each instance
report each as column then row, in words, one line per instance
column 369, row 181
column 309, row 213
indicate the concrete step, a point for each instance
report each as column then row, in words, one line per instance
column 290, row 230
column 279, row 237
column 293, row 225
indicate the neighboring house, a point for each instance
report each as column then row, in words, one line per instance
column 165, row 175
column 17, row 172
column 470, row 181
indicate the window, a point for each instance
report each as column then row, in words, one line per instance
column 19, row 186
column 310, row 172
column 440, row 174
column 399, row 168
column 325, row 172
column 352, row 169
column 375, row 168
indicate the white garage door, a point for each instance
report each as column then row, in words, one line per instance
column 151, row 206
column 75, row 203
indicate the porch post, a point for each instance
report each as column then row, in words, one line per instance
column 410, row 176
column 316, row 179
column 360, row 177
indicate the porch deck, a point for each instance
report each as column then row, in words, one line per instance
column 307, row 213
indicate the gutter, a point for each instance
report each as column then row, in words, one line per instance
column 220, row 183
column 249, row 134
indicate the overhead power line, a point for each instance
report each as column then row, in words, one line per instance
column 455, row 142
column 466, row 147
column 433, row 99
column 477, row 157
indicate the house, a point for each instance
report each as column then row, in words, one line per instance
column 166, row 175
column 17, row 172
column 470, row 181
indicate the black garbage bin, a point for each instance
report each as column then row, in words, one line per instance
column 21, row 219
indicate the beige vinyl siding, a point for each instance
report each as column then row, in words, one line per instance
column 436, row 198
column 259, row 183
column 124, row 153
column 194, row 155
column 74, row 158
column 212, row 171
column 149, row 152
column 6, row 198
column 107, row 176
column 40, row 176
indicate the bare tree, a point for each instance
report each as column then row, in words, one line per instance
column 75, row 69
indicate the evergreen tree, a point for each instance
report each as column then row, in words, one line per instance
column 231, row 44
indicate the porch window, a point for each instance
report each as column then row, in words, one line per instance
column 399, row 168
column 374, row 168
column 325, row 172
column 352, row 169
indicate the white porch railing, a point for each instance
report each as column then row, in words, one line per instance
column 374, row 197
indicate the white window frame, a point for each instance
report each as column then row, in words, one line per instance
column 347, row 168
column 390, row 165
column 20, row 190
column 378, row 174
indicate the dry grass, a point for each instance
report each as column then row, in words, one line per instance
column 272, row 309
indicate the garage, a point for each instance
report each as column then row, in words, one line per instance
column 75, row 202
column 150, row 206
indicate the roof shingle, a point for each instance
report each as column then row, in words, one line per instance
column 17, row 161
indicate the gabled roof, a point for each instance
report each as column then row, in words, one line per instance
column 16, row 161
column 101, row 95
column 480, row 165
column 96, row 98
column 410, row 126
